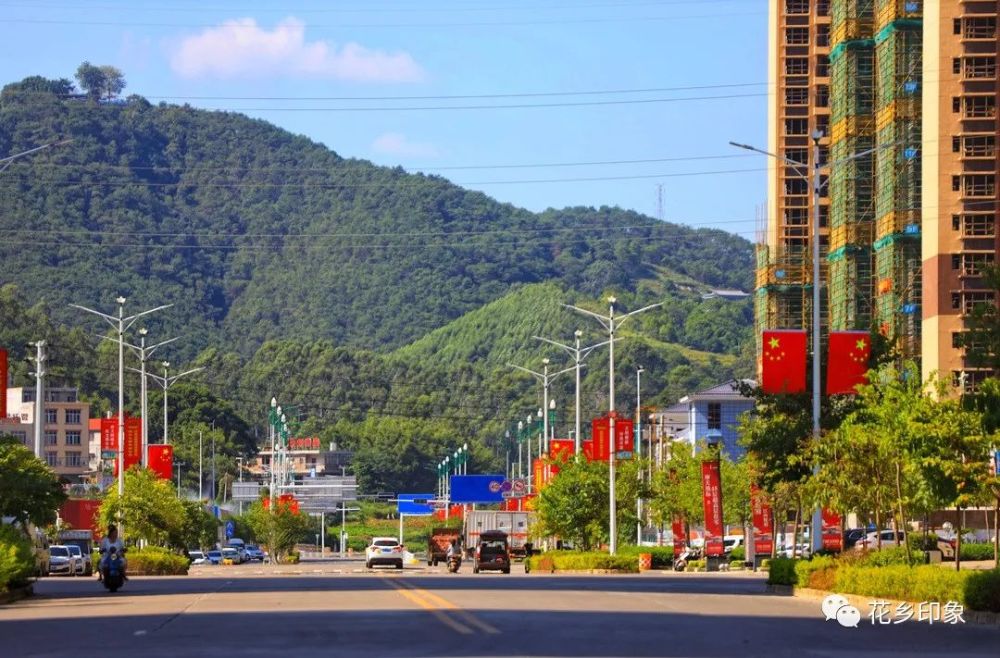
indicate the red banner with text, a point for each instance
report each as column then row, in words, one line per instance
column 680, row 541
column 160, row 459
column 711, row 489
column 763, row 529
column 3, row 383
column 833, row 540
column 133, row 440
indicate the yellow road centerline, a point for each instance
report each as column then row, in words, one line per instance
column 444, row 603
column 430, row 607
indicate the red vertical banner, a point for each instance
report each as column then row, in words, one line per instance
column 538, row 473
column 109, row 434
column 3, row 383
column 160, row 458
column 133, row 440
column 624, row 437
column 783, row 361
column 711, row 490
column 588, row 450
column 763, row 530
column 680, row 541
column 833, row 540
column 600, row 430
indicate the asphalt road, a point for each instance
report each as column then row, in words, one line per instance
column 340, row 609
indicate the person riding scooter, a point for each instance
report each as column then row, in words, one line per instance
column 110, row 541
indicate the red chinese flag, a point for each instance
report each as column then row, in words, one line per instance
column 161, row 460
column 847, row 362
column 561, row 449
column 680, row 541
column 711, row 489
column 784, row 361
column 763, row 533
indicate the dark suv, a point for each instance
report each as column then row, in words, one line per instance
column 492, row 552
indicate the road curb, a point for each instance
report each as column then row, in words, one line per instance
column 974, row 617
column 16, row 594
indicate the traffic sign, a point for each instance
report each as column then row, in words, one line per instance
column 109, row 454
column 415, row 504
column 230, row 529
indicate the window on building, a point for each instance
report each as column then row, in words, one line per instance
column 979, row 185
column 50, row 416
column 823, row 35
column 21, row 436
column 796, row 126
column 972, row 264
column 979, row 226
column 797, row 96
column 977, row 27
column 822, row 96
column 823, row 124
column 72, row 438
column 956, row 261
column 796, row 186
column 978, row 146
column 822, row 66
column 74, row 459
column 973, row 299
column 72, row 416
column 797, row 66
column 51, row 437
column 797, row 36
column 980, row 107
column 979, row 68
column 714, row 415
column 797, row 155
column 956, row 300
column 956, row 183
column 796, row 6
column 823, row 8
column 956, row 104
column 956, row 65
column 52, row 459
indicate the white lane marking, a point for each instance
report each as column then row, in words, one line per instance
column 139, row 633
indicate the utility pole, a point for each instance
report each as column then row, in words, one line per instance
column 609, row 322
column 201, row 455
column 39, row 374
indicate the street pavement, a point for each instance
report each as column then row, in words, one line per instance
column 339, row 608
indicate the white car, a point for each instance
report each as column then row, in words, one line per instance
column 890, row 538
column 81, row 560
column 61, row 561
column 384, row 550
column 197, row 557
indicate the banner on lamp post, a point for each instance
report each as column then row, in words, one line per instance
column 3, row 383
column 680, row 541
column 763, row 530
column 160, row 458
column 711, row 489
column 833, row 540
column 133, row 440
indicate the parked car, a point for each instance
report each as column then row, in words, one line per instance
column 197, row 557
column 804, row 550
column 61, row 561
column 888, row 538
column 241, row 550
column 384, row 550
column 729, row 542
column 254, row 553
column 82, row 561
column 214, row 557
column 492, row 552
column 852, row 536
column 230, row 556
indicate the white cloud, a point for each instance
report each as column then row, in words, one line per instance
column 398, row 144
column 240, row 48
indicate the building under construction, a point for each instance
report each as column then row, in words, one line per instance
column 908, row 94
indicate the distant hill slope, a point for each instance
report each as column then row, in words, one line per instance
column 256, row 234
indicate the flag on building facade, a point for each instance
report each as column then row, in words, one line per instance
column 847, row 361
column 783, row 361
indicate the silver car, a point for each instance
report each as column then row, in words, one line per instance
column 62, row 561
column 82, row 568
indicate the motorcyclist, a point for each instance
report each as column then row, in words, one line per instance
column 111, row 540
column 453, row 551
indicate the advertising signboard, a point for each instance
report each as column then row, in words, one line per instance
column 711, row 488
column 477, row 488
column 679, row 539
column 133, row 441
column 763, row 531
column 415, row 504
column 833, row 540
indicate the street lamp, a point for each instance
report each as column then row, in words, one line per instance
column 638, row 448
column 165, row 382
column 801, row 169
column 578, row 356
column 545, row 377
column 612, row 324
column 121, row 325
column 520, row 440
column 465, row 459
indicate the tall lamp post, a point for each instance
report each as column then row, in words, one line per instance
column 121, row 323
column 611, row 324
column 578, row 355
column 144, row 352
column 801, row 169
column 545, row 377
column 638, row 448
column 165, row 382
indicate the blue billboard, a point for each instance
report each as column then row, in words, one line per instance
column 477, row 488
column 415, row 504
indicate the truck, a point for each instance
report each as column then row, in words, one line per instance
column 85, row 540
column 438, row 542
column 515, row 524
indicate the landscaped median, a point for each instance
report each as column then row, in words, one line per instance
column 886, row 575
column 153, row 561
column 578, row 562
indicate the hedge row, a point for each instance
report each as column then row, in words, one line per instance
column 976, row 589
column 154, row 561
column 574, row 561
column 17, row 560
column 663, row 556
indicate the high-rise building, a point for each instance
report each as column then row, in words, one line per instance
column 959, row 205
column 911, row 224
column 798, row 108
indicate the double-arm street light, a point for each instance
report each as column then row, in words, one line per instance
column 611, row 324
column 165, row 382
column 545, row 377
column 578, row 355
column 144, row 352
column 801, row 169
column 121, row 323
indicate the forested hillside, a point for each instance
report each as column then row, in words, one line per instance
column 380, row 305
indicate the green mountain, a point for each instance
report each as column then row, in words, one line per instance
column 257, row 234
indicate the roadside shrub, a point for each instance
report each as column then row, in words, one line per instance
column 920, row 543
column 898, row 581
column 695, row 565
column 982, row 590
column 155, row 561
column 738, row 554
column 883, row 558
column 663, row 556
column 17, row 559
column 816, row 572
column 975, row 552
column 291, row 558
column 765, row 564
column 781, row 571
column 575, row 561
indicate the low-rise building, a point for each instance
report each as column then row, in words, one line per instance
column 65, row 437
column 712, row 414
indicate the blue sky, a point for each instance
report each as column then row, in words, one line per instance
column 306, row 65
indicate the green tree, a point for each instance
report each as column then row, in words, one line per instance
column 574, row 506
column 31, row 492
column 149, row 510
column 982, row 338
column 677, row 488
column 279, row 529
column 199, row 528
column 91, row 80
column 114, row 82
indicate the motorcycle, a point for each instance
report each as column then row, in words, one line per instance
column 113, row 572
column 454, row 562
column 688, row 554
